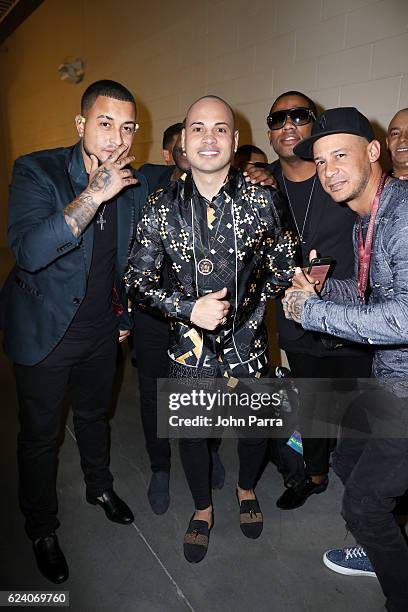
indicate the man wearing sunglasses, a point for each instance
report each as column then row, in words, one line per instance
column 326, row 226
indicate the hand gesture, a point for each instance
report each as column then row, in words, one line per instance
column 108, row 179
column 211, row 310
column 259, row 176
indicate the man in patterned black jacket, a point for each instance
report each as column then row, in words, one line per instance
column 230, row 249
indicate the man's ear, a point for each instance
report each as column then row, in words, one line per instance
column 80, row 125
column 374, row 150
column 183, row 140
column 236, row 139
column 387, row 146
column 166, row 155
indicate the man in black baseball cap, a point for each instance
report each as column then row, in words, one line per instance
column 347, row 120
column 371, row 308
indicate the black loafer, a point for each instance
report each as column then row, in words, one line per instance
column 50, row 559
column 250, row 518
column 115, row 508
column 195, row 544
column 295, row 496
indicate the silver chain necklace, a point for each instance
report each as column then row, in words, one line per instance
column 293, row 212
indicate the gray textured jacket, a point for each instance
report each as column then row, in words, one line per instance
column 384, row 320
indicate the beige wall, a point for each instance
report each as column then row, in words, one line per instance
column 341, row 52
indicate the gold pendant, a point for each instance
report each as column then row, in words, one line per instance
column 205, row 267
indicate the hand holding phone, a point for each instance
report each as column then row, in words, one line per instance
column 318, row 269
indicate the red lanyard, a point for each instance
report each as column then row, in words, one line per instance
column 364, row 249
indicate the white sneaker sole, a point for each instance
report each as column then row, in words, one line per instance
column 344, row 570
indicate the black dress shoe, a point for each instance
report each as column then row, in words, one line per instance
column 295, row 496
column 115, row 508
column 50, row 559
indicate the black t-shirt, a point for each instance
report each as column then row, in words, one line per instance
column 96, row 308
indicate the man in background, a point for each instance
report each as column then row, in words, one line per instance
column 159, row 175
column 249, row 155
column 323, row 225
column 397, row 144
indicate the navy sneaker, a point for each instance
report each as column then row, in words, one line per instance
column 349, row 561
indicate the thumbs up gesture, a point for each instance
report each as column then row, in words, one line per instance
column 210, row 310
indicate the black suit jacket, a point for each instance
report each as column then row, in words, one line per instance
column 48, row 283
column 157, row 175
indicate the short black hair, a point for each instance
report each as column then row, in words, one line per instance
column 109, row 89
column 243, row 154
column 169, row 133
column 309, row 101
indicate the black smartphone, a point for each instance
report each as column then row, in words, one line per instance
column 318, row 269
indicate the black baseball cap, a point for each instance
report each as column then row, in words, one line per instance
column 345, row 120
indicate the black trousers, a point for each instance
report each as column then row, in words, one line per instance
column 150, row 345
column 316, row 451
column 195, row 453
column 195, row 457
column 87, row 366
column 375, row 472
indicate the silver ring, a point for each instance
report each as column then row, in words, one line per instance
column 223, row 321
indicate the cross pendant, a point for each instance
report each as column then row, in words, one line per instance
column 101, row 221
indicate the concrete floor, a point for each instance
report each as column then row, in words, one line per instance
column 141, row 567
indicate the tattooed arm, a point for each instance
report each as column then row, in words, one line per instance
column 39, row 231
column 105, row 183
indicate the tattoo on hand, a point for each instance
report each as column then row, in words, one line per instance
column 101, row 181
column 80, row 212
column 295, row 301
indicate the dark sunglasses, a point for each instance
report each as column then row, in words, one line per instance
column 298, row 116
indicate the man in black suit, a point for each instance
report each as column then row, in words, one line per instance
column 72, row 215
column 321, row 224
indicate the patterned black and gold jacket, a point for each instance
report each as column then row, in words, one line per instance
column 242, row 240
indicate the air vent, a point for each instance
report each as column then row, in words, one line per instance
column 6, row 6
column 13, row 13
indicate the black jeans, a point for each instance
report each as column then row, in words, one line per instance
column 195, row 452
column 150, row 345
column 88, row 368
column 316, row 451
column 195, row 457
column 375, row 472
